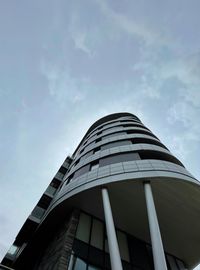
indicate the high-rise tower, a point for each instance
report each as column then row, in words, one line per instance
column 121, row 201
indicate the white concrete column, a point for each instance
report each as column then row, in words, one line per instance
column 156, row 241
column 71, row 262
column 115, row 258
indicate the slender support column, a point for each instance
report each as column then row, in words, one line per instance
column 157, row 245
column 115, row 258
column 71, row 262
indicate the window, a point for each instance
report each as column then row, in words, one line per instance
column 138, row 253
column 38, row 212
column 82, row 150
column 94, row 165
column 96, row 150
column 44, row 201
column 90, row 248
column 70, row 178
column 123, row 246
column 51, row 190
column 13, row 250
column 97, row 234
column 98, row 133
column 85, row 142
column 76, row 162
column 55, row 183
column 98, row 140
column 79, row 264
column 123, row 157
column 59, row 175
column 106, row 245
column 62, row 170
column 83, row 230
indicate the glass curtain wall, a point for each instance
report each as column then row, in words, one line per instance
column 90, row 249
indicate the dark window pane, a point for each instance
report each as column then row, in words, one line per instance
column 138, row 254
column 150, row 252
column 83, row 230
column 63, row 170
column 107, row 261
column 70, row 178
column 55, row 183
column 44, row 201
column 96, row 256
column 126, row 266
column 123, row 245
column 80, row 249
column 97, row 149
column 97, row 234
column 82, row 150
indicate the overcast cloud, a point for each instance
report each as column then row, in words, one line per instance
column 64, row 64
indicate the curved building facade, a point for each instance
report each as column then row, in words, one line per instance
column 122, row 201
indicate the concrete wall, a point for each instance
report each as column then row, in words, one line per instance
column 57, row 254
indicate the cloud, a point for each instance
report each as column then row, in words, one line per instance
column 61, row 86
column 183, row 118
column 187, row 71
column 79, row 35
column 132, row 27
column 177, row 146
column 80, row 40
column 185, row 113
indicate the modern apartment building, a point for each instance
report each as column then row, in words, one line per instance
column 122, row 201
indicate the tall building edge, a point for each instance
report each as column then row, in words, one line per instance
column 121, row 201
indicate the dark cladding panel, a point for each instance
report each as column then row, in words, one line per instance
column 115, row 144
column 118, row 158
column 82, row 170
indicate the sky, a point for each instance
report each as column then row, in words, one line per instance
column 64, row 64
